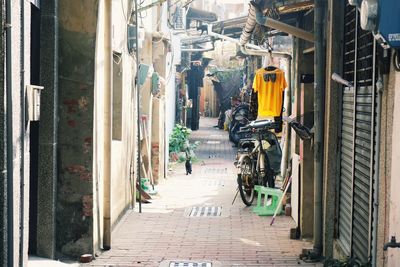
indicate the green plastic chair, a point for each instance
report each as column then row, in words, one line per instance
column 263, row 193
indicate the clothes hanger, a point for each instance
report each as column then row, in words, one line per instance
column 270, row 68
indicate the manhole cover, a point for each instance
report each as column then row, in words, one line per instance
column 205, row 212
column 189, row 264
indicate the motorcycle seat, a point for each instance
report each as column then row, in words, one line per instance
column 268, row 124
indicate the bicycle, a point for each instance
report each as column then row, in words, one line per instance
column 258, row 158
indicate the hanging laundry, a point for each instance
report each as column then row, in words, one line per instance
column 269, row 83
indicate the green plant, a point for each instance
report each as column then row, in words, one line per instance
column 179, row 139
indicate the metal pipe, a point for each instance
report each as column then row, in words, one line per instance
column 22, row 133
column 271, row 23
column 9, row 126
column 250, row 25
column 372, row 155
column 197, row 49
column 263, row 52
column 380, row 87
column 107, row 123
column 337, row 78
column 196, row 40
column 286, row 146
column 319, row 86
column 256, row 48
column 138, row 107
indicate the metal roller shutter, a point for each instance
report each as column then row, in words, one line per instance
column 357, row 141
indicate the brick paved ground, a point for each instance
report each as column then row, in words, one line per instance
column 165, row 232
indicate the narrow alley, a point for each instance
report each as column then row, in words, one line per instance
column 107, row 105
column 229, row 235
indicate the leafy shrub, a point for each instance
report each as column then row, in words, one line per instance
column 179, row 142
column 179, row 139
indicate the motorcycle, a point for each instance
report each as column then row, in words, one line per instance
column 258, row 158
column 240, row 118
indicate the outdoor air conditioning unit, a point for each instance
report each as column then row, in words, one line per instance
column 131, row 35
column 382, row 18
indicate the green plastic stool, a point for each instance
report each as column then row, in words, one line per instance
column 262, row 208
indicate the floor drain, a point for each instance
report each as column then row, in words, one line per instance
column 205, row 212
column 216, row 171
column 189, row 264
column 213, row 183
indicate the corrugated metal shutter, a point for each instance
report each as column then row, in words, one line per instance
column 347, row 134
column 357, row 141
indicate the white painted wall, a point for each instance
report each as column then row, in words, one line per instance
column 394, row 198
column 21, row 157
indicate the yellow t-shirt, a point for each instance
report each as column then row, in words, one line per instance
column 270, row 86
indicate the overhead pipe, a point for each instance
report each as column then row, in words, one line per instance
column 258, row 16
column 235, row 41
column 250, row 25
column 196, row 40
column 9, row 140
column 264, row 52
column 197, row 49
column 319, row 94
column 236, row 22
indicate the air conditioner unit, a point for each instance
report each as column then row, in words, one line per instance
column 131, row 33
column 382, row 18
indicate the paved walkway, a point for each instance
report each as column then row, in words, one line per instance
column 165, row 232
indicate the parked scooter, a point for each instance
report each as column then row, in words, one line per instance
column 258, row 158
column 240, row 118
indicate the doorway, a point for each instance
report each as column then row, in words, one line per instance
column 34, row 133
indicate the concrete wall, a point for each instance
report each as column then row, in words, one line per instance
column 18, row 203
column 122, row 148
column 385, row 164
column 393, row 254
column 333, row 94
column 77, row 40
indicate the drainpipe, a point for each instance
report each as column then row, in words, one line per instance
column 379, row 86
column 107, row 124
column 138, row 108
column 22, row 133
column 9, row 125
column 319, row 87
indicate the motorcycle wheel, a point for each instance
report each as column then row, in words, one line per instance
column 246, row 183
